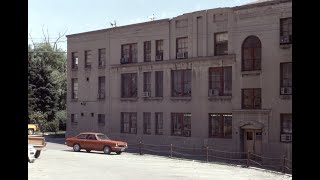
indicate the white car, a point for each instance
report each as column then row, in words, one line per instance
column 31, row 153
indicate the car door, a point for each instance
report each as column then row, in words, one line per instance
column 81, row 140
column 91, row 142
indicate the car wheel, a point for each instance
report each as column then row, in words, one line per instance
column 88, row 150
column 119, row 152
column 76, row 148
column 37, row 154
column 107, row 150
column 30, row 131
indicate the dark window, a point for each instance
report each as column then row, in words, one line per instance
column 221, row 44
column 181, row 124
column 249, row 135
column 91, row 137
column 251, row 98
column 220, row 125
column 220, row 81
column 251, row 54
column 75, row 60
column 147, row 51
column 147, row 82
column 159, row 50
column 285, row 78
column 92, row 114
column 74, row 88
column 159, row 83
column 129, row 122
column 129, row 85
column 146, row 123
column 87, row 59
column 102, row 57
column 181, row 83
column 159, row 123
column 286, row 31
column 286, row 123
column 82, row 136
column 129, row 53
column 74, row 118
column 101, row 119
column 182, row 48
column 101, row 87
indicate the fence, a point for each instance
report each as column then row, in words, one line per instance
column 207, row 154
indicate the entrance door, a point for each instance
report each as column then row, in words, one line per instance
column 253, row 141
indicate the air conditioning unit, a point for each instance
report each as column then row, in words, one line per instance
column 159, row 57
column 124, row 60
column 213, row 92
column 286, row 90
column 187, row 133
column 133, row 130
column 146, row 94
column 182, row 55
column 286, row 137
column 284, row 39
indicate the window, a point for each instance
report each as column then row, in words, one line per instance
column 146, row 123
column 221, row 44
column 147, row 82
column 159, row 83
column 286, row 31
column 75, row 60
column 129, row 85
column 182, row 48
column 82, row 136
column 102, row 57
column 285, row 78
column 159, row 50
column 286, row 123
column 74, row 88
column 87, row 59
column 101, row 119
column 159, row 123
column 220, row 81
column 129, row 53
column 101, row 87
column 251, row 98
column 74, row 118
column 91, row 137
column 181, row 83
column 129, row 122
column 147, row 51
column 181, row 124
column 220, row 125
column 251, row 54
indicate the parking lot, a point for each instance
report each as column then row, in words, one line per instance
column 59, row 162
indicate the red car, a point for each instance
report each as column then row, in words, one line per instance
column 97, row 142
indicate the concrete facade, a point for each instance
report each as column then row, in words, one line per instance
column 261, row 20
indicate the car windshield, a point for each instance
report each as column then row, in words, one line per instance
column 102, row 137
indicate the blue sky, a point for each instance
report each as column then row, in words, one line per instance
column 75, row 16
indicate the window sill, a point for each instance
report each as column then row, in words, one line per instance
column 181, row 98
column 251, row 73
column 285, row 46
column 153, row 98
column 101, row 99
column 220, row 98
column 101, row 67
column 74, row 123
column 286, row 97
column 129, row 99
column 220, row 137
column 74, row 69
column 74, row 100
column 87, row 68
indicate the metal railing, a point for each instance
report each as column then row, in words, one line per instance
column 207, row 154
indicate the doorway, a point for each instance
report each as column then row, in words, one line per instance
column 252, row 141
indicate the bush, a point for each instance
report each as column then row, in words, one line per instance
column 52, row 126
column 61, row 118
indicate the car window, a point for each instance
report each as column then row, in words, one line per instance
column 91, row 137
column 82, row 136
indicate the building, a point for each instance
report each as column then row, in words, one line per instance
column 219, row 78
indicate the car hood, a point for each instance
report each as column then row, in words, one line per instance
column 118, row 142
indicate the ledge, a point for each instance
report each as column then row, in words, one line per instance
column 153, row 98
column 129, row 99
column 181, row 98
column 286, row 97
column 251, row 73
column 220, row 98
column 252, row 111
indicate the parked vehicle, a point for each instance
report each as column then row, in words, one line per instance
column 38, row 142
column 95, row 141
column 33, row 128
column 31, row 153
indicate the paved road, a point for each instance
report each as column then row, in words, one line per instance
column 59, row 162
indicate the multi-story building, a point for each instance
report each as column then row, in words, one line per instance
column 219, row 78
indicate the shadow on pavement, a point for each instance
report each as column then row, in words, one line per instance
column 93, row 152
column 55, row 140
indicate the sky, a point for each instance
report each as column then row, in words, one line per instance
column 76, row 16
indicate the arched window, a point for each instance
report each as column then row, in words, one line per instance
column 251, row 54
